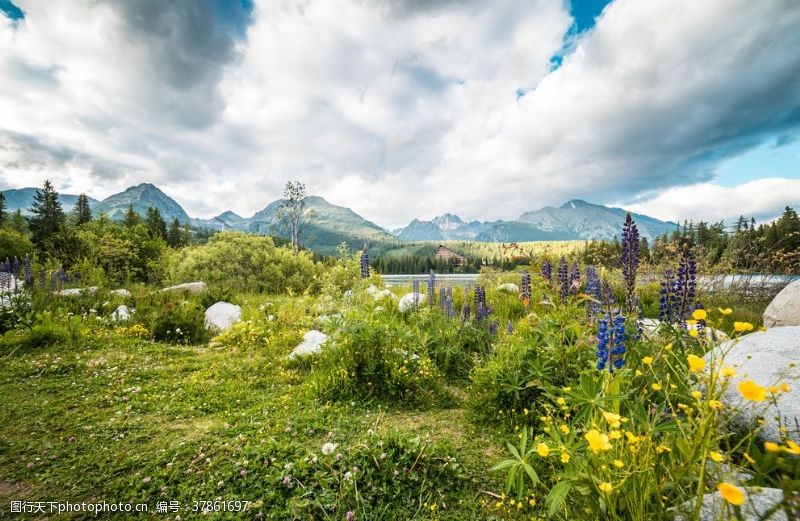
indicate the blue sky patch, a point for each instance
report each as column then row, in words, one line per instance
column 11, row 11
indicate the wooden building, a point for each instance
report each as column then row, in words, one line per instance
column 445, row 254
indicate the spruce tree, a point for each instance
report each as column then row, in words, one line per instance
column 2, row 208
column 175, row 234
column 156, row 226
column 47, row 215
column 83, row 214
column 131, row 218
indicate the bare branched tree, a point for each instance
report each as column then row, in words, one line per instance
column 293, row 214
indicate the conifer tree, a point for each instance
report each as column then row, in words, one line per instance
column 83, row 214
column 131, row 218
column 47, row 215
column 2, row 208
column 156, row 226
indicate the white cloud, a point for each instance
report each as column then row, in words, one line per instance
column 763, row 199
column 398, row 109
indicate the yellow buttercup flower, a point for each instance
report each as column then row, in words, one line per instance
column 543, row 450
column 668, row 347
column 694, row 333
column 561, row 401
column 716, row 457
column 731, row 493
column 792, row 448
column 647, row 360
column 597, row 441
column 728, row 372
column 696, row 364
column 771, row 446
column 618, row 463
column 612, row 419
column 697, row 395
column 564, row 428
column 699, row 314
column 752, row 391
column 784, row 387
column 605, row 487
column 715, row 404
column 725, row 311
column 565, row 458
column 740, row 327
column 656, row 387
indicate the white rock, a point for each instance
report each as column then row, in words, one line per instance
column 758, row 502
column 784, row 310
column 121, row 292
column 121, row 314
column 222, row 315
column 372, row 290
column 384, row 293
column 191, row 287
column 348, row 293
column 509, row 287
column 407, row 301
column 311, row 344
column 74, row 292
column 9, row 283
column 768, row 358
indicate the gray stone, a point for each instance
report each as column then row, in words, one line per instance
column 758, row 502
column 768, row 358
column 121, row 314
column 784, row 310
column 121, row 292
column 74, row 292
column 191, row 287
column 9, row 283
column 222, row 315
column 509, row 287
column 407, row 301
column 311, row 344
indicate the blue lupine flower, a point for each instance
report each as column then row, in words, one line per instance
column 563, row 277
column 364, row 263
column 449, row 312
column 442, row 298
column 574, row 278
column 593, row 290
column 611, row 342
column 525, row 287
column 685, row 285
column 493, row 327
column 465, row 311
column 547, row 271
column 509, row 327
column 415, row 290
column 667, row 298
column 431, row 289
column 630, row 263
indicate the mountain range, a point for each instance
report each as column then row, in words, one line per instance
column 329, row 225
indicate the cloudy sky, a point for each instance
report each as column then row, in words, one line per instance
column 409, row 108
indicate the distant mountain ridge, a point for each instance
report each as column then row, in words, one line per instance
column 574, row 220
column 330, row 225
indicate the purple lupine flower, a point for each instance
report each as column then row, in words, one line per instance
column 15, row 265
column 493, row 327
column 364, row 263
column 525, row 287
column 563, row 277
column 611, row 342
column 574, row 279
column 509, row 327
column 415, row 291
column 685, row 285
column 630, row 262
column 465, row 311
column 547, row 271
column 667, row 298
column 593, row 290
column 431, row 289
column 449, row 312
column 28, row 271
column 442, row 298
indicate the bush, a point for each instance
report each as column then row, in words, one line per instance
column 172, row 318
column 245, row 263
column 14, row 244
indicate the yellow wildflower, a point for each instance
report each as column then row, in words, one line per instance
column 771, row 446
column 647, row 360
column 792, row 448
column 752, row 391
column 543, row 450
column 639, row 373
column 699, row 314
column 716, row 457
column 697, row 395
column 784, row 387
column 597, row 441
column 605, row 487
column 565, row 458
column 668, row 347
column 561, row 401
column 614, row 435
column 731, row 493
column 656, row 387
column 725, row 311
column 619, row 464
column 612, row 419
column 693, row 333
column 728, row 372
column 715, row 404
column 696, row 364
column 566, row 389
column 740, row 327
column 564, row 428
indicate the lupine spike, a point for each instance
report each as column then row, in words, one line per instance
column 415, row 290
column 574, row 279
column 593, row 290
column 364, row 263
column 630, row 263
column 431, row 289
column 563, row 277
column 547, row 271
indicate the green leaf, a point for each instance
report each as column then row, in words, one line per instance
column 557, row 496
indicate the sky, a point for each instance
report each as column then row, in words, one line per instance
column 403, row 109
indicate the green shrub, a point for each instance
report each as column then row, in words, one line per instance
column 241, row 262
column 181, row 322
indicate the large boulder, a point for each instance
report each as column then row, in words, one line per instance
column 509, row 287
column 784, row 310
column 121, row 314
column 311, row 344
column 758, row 503
column 222, row 315
column 191, row 287
column 408, row 301
column 74, row 292
column 10, row 283
column 768, row 358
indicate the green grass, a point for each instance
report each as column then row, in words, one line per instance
column 118, row 419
